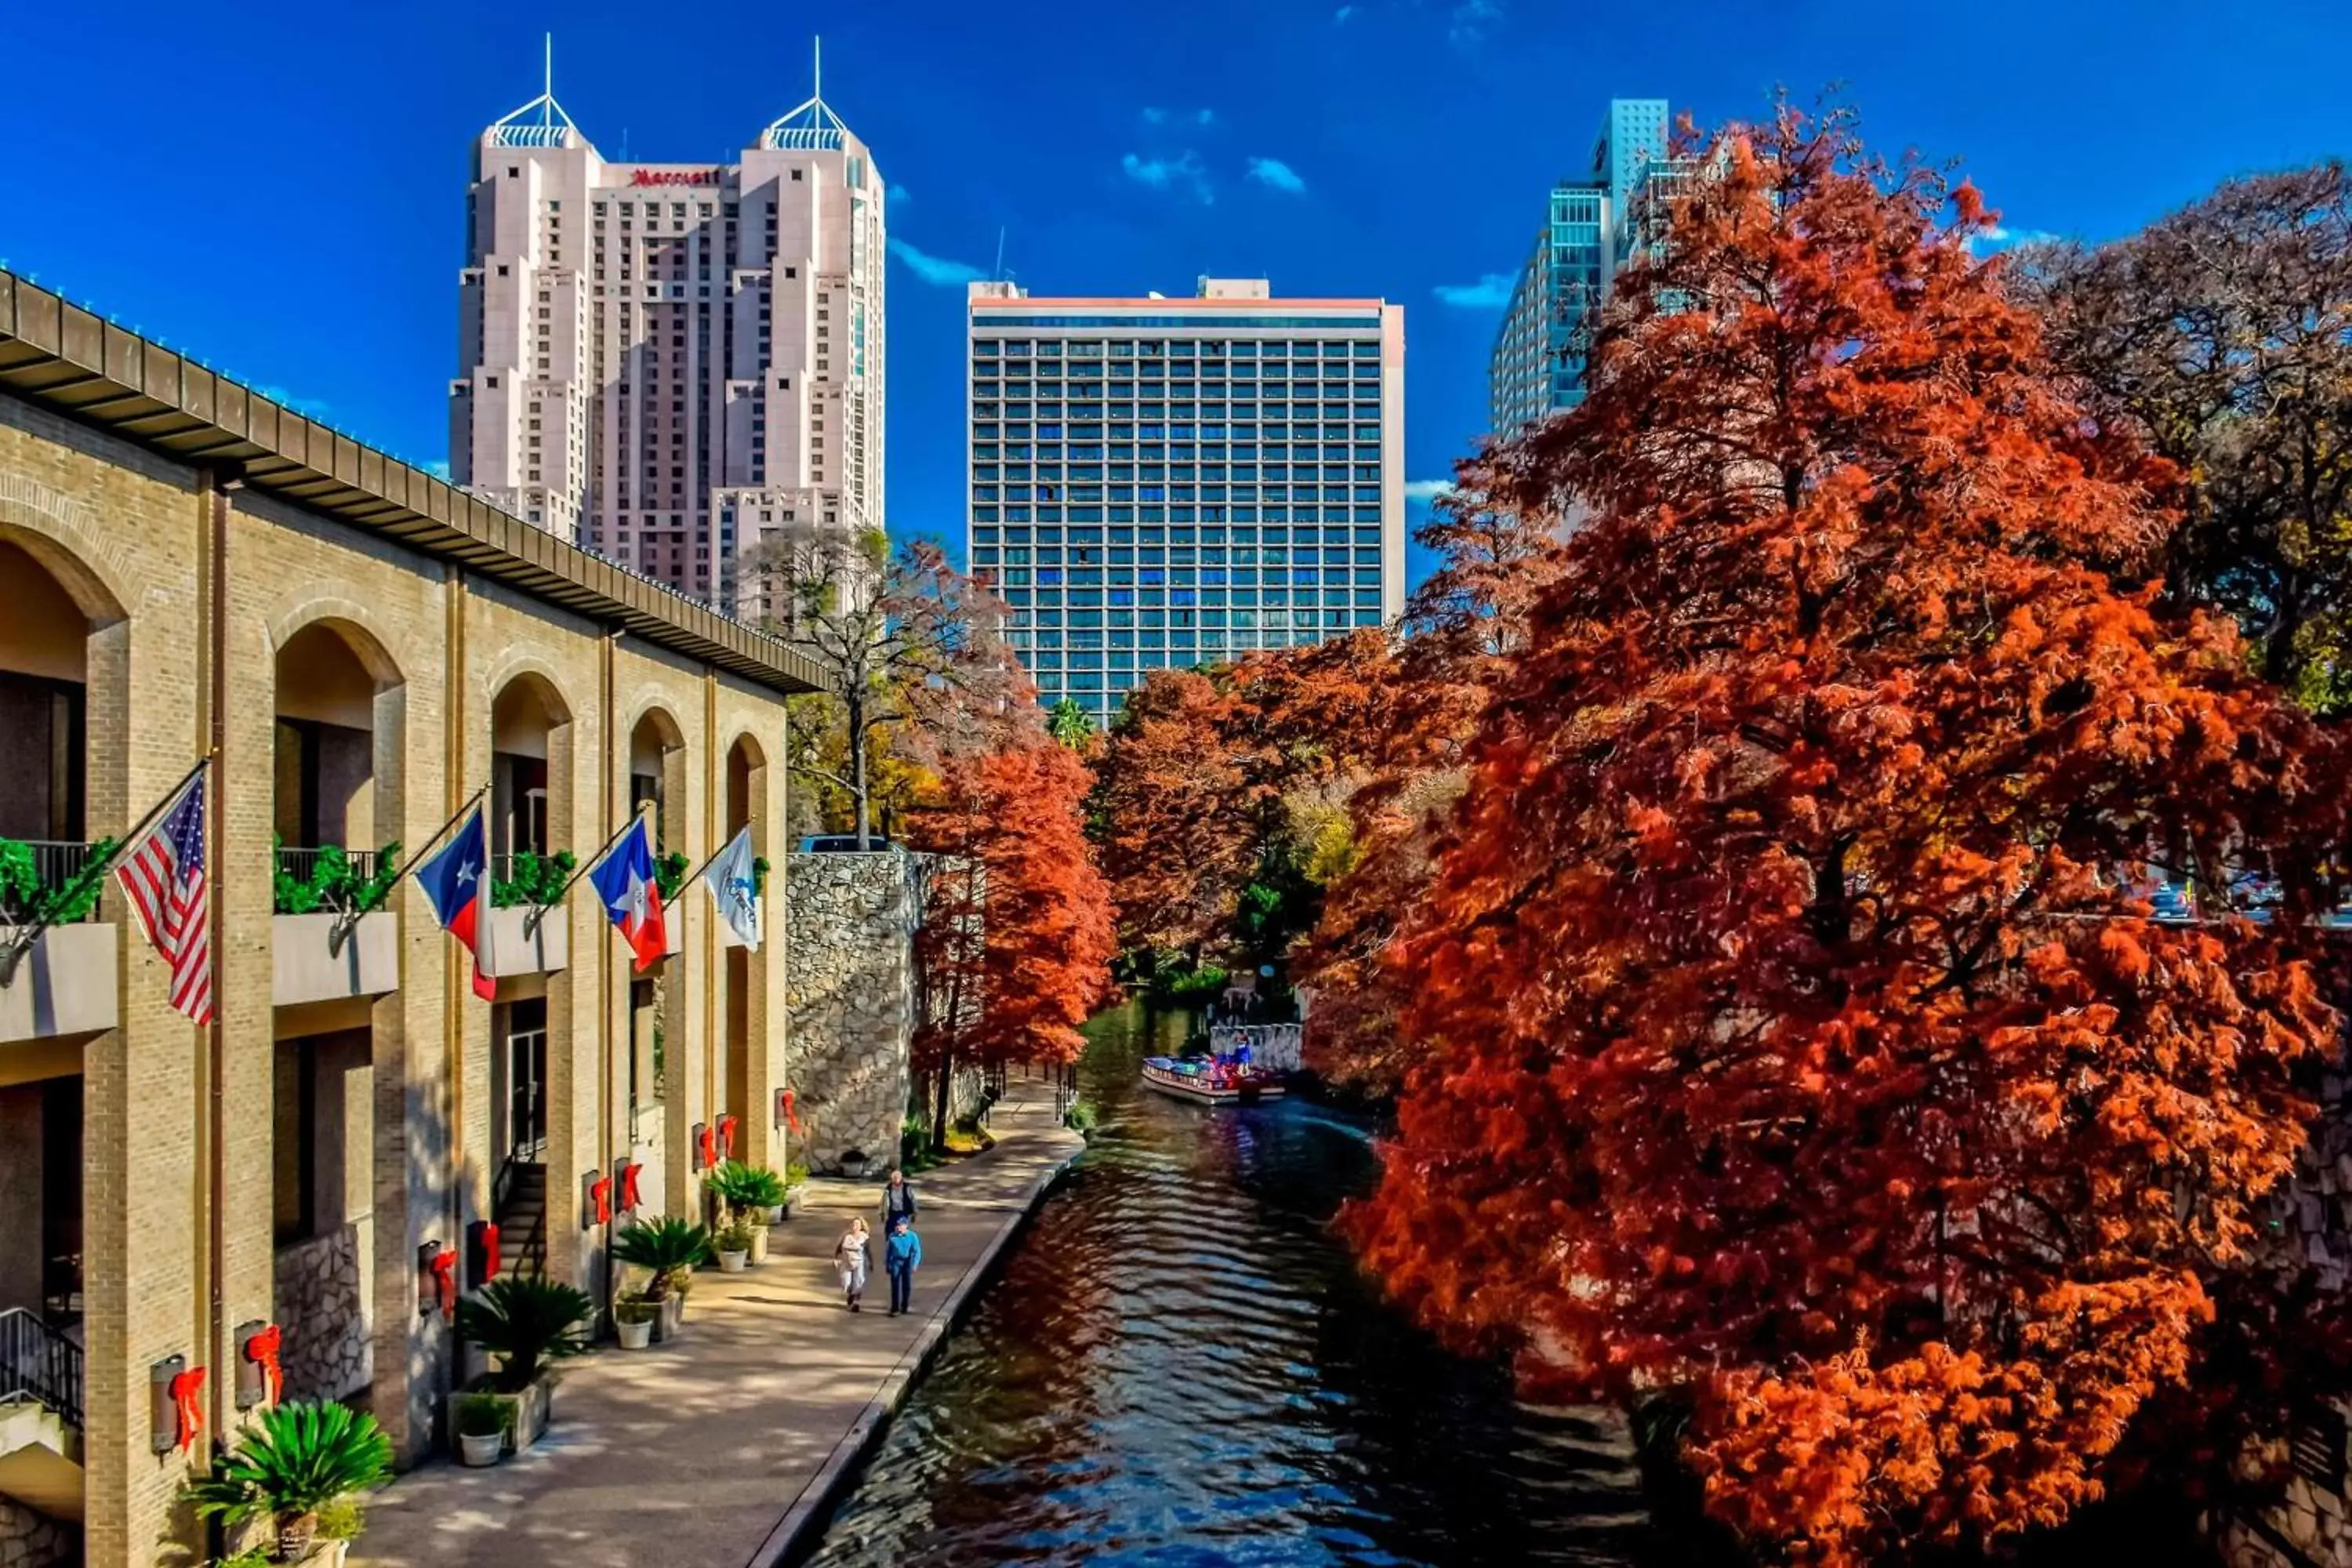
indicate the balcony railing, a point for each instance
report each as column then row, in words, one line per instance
column 39, row 1363
column 56, row 865
column 302, row 864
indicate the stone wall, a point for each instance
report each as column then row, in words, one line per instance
column 30, row 1540
column 851, row 987
column 326, row 1353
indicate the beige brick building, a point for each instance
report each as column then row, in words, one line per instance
column 186, row 566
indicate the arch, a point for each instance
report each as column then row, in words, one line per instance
column 667, row 734
column 353, row 623
column 525, row 670
column 62, row 536
column 63, row 669
column 754, row 754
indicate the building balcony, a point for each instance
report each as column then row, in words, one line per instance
column 513, row 943
column 320, row 958
column 62, row 982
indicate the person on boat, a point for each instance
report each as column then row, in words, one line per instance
column 898, row 1201
column 900, row 1258
column 853, row 1258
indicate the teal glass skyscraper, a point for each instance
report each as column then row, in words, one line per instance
column 1590, row 229
column 1158, row 483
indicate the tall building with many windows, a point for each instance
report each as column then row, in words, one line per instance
column 1160, row 483
column 662, row 362
column 1589, row 231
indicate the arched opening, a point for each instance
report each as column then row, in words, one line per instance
column 337, row 761
column 747, row 803
column 530, row 826
column 656, row 779
column 62, row 641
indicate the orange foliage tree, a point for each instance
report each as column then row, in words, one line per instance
column 1016, row 939
column 1791, row 1027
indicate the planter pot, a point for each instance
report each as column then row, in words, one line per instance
column 853, row 1166
column 480, row 1451
column 734, row 1262
column 328, row 1553
column 671, row 1323
column 792, row 1204
column 528, row 1412
column 759, row 1245
column 635, row 1336
column 776, row 1215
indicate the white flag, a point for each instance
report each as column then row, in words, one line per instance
column 732, row 890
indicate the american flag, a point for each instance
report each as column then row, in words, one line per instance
column 162, row 870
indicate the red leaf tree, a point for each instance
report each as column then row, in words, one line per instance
column 1016, row 939
column 1791, row 1028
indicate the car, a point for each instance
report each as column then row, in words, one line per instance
column 841, row 843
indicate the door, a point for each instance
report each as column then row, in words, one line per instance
column 526, row 1080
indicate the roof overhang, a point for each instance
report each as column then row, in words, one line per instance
column 60, row 356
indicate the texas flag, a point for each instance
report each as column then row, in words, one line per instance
column 456, row 881
column 624, row 879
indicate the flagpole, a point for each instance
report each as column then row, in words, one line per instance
column 21, row 943
column 530, row 921
column 352, row 917
column 695, row 875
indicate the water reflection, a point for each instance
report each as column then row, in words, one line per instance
column 1180, row 1366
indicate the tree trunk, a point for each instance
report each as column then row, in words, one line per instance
column 857, row 788
column 940, row 1117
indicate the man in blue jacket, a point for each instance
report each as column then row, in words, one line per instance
column 901, row 1256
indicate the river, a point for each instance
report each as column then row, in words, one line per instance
column 1179, row 1365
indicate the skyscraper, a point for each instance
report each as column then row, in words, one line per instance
column 1591, row 230
column 1161, row 482
column 665, row 361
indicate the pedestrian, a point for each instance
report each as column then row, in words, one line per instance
column 901, row 1257
column 898, row 1201
column 852, row 1256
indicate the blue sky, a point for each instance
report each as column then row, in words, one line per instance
column 285, row 196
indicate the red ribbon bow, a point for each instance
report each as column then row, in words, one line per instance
column 727, row 1135
column 601, row 1189
column 490, row 1252
column 445, row 1279
column 792, row 1117
column 629, row 1186
column 709, row 1146
column 188, row 1416
column 263, row 1348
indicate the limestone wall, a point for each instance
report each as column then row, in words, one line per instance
column 851, row 988
column 321, row 1310
column 30, row 1540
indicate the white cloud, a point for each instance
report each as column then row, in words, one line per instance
column 308, row 407
column 899, row 195
column 1491, row 292
column 1423, row 491
column 1170, row 173
column 438, row 467
column 1274, row 171
column 1339, row 17
column 935, row 270
column 1471, row 20
column 1999, row 238
column 1179, row 117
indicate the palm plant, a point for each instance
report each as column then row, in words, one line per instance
column 297, row 1460
column 746, row 1189
column 669, row 1249
column 527, row 1321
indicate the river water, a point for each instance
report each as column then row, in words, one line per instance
column 1180, row 1365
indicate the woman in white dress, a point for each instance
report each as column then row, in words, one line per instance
column 853, row 1258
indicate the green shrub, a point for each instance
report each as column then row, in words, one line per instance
column 23, row 899
column 533, row 879
column 796, row 1173
column 743, row 1187
column 668, row 1248
column 736, row 1238
column 635, row 1307
column 1081, row 1116
column 484, row 1415
column 528, row 1321
column 334, row 882
column 297, row 1459
column 669, row 875
column 342, row 1518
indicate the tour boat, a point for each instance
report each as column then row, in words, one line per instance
column 1210, row 1080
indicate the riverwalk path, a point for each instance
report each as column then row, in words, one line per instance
column 727, row 1449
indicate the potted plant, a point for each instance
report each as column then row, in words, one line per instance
column 753, row 1193
column 853, row 1164
column 667, row 1249
column 296, row 1460
column 527, row 1324
column 796, row 1175
column 735, row 1247
column 632, row 1319
column 480, row 1423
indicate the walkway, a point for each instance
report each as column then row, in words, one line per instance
column 716, row 1451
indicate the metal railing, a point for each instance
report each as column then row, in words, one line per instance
column 300, row 864
column 56, row 863
column 39, row 1363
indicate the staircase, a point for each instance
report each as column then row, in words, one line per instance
column 520, row 1208
column 40, row 1416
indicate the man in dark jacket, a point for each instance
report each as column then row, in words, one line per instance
column 898, row 1201
column 901, row 1256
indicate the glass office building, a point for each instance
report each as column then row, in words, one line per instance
column 1158, row 483
column 1591, row 230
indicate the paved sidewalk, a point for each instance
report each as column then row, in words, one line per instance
column 718, row 1451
